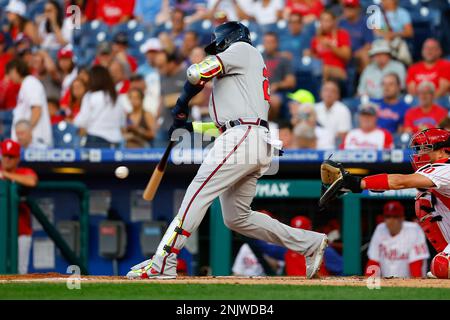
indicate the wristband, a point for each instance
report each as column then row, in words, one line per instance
column 208, row 128
column 377, row 182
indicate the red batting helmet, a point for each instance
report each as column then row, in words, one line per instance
column 301, row 222
column 440, row 266
column 427, row 141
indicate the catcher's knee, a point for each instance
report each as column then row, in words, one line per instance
column 429, row 223
column 440, row 266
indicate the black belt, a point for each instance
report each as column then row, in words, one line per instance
column 240, row 122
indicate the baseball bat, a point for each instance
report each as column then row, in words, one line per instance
column 158, row 173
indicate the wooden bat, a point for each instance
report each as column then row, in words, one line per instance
column 155, row 179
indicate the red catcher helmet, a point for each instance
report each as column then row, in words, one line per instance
column 427, row 141
column 440, row 266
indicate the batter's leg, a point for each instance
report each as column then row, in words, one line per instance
column 238, row 216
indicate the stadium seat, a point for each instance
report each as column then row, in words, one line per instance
column 352, row 103
column 65, row 135
column 35, row 9
column 6, row 118
column 444, row 101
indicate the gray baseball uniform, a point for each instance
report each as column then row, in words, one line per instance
column 238, row 158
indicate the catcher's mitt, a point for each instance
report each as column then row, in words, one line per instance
column 336, row 181
column 332, row 175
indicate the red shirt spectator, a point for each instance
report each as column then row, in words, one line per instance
column 339, row 38
column 421, row 72
column 113, row 12
column 416, row 119
column 305, row 8
column 432, row 69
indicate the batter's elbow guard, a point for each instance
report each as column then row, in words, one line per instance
column 199, row 73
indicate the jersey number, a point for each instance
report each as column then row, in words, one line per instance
column 266, row 88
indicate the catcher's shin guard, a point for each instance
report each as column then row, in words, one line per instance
column 424, row 211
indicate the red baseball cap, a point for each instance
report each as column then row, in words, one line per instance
column 351, row 3
column 393, row 209
column 65, row 53
column 10, row 148
column 301, row 222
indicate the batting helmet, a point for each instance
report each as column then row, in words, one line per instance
column 226, row 34
column 426, row 141
column 440, row 266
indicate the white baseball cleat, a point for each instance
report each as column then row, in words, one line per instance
column 144, row 270
column 314, row 261
column 430, row 275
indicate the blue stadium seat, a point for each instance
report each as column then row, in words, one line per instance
column 6, row 118
column 35, row 8
column 444, row 101
column 65, row 135
column 204, row 29
column 352, row 103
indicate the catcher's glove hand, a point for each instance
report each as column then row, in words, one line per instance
column 336, row 181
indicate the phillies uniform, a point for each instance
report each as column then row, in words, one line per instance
column 394, row 254
column 439, row 173
column 233, row 165
column 378, row 139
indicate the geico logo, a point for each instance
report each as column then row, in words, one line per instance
column 352, row 155
column 52, row 155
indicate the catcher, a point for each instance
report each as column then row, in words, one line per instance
column 432, row 179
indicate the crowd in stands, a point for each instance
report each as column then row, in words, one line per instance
column 106, row 73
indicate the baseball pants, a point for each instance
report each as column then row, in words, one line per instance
column 230, row 171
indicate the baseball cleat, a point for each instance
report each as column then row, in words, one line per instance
column 314, row 261
column 145, row 270
column 431, row 275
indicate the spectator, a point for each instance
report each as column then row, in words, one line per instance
column 100, row 117
column 104, row 55
column 72, row 104
column 27, row 178
column 119, row 50
column 331, row 113
column 296, row 38
column 140, row 128
column 432, row 68
column 113, row 12
column 286, row 134
column 308, row 133
column 44, row 68
column 32, row 102
column 173, row 76
column 391, row 108
column 310, row 10
column 117, row 71
column 266, row 12
column 445, row 124
column 427, row 114
column 146, row 11
column 382, row 64
column 177, row 31
column 24, row 134
column 5, row 57
column 279, row 72
column 19, row 25
column 331, row 45
column 396, row 21
column 54, row 31
column 54, row 110
column 151, row 76
column 397, row 247
column 232, row 9
column 295, row 262
column 368, row 135
column 354, row 22
column 190, row 41
column 5, row 54
column 67, row 71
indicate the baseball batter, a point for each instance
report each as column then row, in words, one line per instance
column 432, row 179
column 242, row 153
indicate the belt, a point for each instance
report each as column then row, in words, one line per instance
column 233, row 123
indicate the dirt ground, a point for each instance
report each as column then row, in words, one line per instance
column 328, row 281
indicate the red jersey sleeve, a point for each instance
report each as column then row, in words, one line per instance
column 388, row 140
column 415, row 269
column 343, row 38
column 410, row 76
column 26, row 172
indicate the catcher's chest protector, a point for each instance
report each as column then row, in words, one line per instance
column 424, row 208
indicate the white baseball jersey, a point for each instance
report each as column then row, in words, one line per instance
column 395, row 253
column 242, row 90
column 439, row 173
column 376, row 139
column 246, row 263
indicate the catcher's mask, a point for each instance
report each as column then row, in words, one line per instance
column 427, row 141
column 225, row 35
